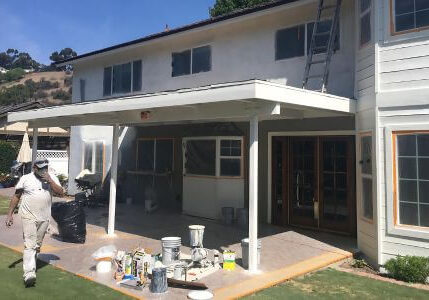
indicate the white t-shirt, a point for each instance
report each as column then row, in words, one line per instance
column 36, row 198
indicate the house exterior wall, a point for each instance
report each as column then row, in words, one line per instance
column 234, row 45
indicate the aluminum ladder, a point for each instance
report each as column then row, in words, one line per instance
column 325, row 56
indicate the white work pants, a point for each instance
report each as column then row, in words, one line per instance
column 33, row 232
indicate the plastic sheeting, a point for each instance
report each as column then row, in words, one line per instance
column 70, row 217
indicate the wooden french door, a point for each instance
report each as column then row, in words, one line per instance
column 313, row 182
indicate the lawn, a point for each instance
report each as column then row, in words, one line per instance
column 333, row 284
column 51, row 283
column 4, row 205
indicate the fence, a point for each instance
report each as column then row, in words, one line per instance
column 58, row 160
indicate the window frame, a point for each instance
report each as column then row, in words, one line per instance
column 306, row 24
column 362, row 175
column 218, row 158
column 94, row 157
column 131, row 92
column 191, row 60
column 361, row 16
column 154, row 139
column 392, row 202
column 393, row 31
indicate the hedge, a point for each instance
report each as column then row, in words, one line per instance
column 8, row 153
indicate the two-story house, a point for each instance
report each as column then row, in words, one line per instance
column 213, row 115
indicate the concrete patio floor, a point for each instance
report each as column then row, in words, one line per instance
column 286, row 252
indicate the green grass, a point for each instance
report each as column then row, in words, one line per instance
column 4, row 205
column 51, row 283
column 333, row 284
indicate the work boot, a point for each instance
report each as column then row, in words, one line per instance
column 30, row 281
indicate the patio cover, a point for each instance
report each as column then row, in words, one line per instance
column 251, row 101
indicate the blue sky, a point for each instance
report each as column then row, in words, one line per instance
column 40, row 27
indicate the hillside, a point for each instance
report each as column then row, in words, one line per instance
column 52, row 88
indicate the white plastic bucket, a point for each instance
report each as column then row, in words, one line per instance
column 170, row 249
column 245, row 252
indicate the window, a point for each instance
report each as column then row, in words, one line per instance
column 290, row 42
column 410, row 14
column 82, row 89
column 93, row 157
column 412, row 173
column 195, row 60
column 213, row 156
column 365, row 22
column 322, row 40
column 295, row 41
column 155, row 155
column 366, row 176
column 119, row 79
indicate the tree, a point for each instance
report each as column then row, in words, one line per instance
column 64, row 54
column 12, row 59
column 222, row 7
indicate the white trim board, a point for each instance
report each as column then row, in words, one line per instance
column 292, row 133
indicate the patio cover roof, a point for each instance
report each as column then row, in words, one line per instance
column 227, row 101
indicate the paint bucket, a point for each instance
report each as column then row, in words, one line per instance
column 227, row 215
column 196, row 235
column 158, row 283
column 245, row 252
column 229, row 260
column 242, row 218
column 170, row 250
column 179, row 271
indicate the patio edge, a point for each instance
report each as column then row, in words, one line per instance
column 269, row 279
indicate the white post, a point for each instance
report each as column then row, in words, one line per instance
column 253, row 195
column 113, row 179
column 34, row 147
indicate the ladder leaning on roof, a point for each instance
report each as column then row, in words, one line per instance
column 327, row 50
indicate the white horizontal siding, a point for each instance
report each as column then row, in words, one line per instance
column 365, row 71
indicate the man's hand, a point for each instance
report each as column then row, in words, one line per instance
column 57, row 189
column 46, row 177
column 9, row 220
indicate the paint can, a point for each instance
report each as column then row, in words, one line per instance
column 196, row 235
column 229, row 260
column 245, row 252
column 179, row 271
column 242, row 218
column 228, row 215
column 170, row 250
column 158, row 283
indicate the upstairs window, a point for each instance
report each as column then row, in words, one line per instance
column 365, row 22
column 410, row 14
column 193, row 61
column 122, row 79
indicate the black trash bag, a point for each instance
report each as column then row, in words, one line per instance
column 70, row 217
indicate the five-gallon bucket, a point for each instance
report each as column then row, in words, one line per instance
column 170, row 249
column 245, row 252
column 227, row 215
column 196, row 235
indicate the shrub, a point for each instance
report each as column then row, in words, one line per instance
column 60, row 94
column 9, row 152
column 408, row 268
column 40, row 95
column 14, row 74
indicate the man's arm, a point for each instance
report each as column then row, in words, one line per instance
column 12, row 205
column 56, row 188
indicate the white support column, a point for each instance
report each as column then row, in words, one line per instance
column 253, row 195
column 113, row 180
column 34, row 147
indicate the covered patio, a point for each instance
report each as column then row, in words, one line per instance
column 246, row 101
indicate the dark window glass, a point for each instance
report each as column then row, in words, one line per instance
column 407, row 168
column 405, row 22
column 145, row 152
column 364, row 5
column 201, row 157
column 181, row 63
column 408, row 190
column 367, row 198
column 409, row 214
column 423, row 144
column 365, row 29
column 422, row 4
column 201, row 59
column 107, row 81
column 122, row 78
column 164, row 156
column 424, row 215
column 424, row 191
column 137, row 75
column 406, row 145
column 87, row 157
column 290, row 42
column 230, row 167
column 366, row 150
column 99, row 158
column 424, row 168
column 322, row 40
column 230, row 148
column 422, row 18
column 404, row 6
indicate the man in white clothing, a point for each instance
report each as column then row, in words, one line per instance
column 35, row 192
